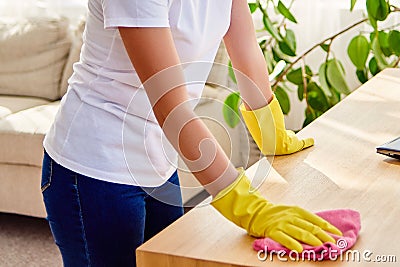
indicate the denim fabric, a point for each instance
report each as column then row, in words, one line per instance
column 98, row 223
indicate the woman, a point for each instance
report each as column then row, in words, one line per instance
column 109, row 180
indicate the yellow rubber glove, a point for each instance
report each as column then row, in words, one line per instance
column 287, row 225
column 267, row 127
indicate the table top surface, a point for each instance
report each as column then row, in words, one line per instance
column 342, row 170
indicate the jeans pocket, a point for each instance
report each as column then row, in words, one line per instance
column 47, row 171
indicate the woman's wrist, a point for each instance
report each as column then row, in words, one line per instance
column 223, row 181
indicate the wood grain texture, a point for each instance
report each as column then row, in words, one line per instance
column 342, row 170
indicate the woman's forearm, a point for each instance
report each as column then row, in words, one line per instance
column 162, row 77
column 247, row 58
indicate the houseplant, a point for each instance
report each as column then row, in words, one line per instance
column 369, row 51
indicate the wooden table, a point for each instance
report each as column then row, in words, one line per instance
column 342, row 170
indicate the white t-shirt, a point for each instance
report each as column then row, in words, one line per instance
column 105, row 127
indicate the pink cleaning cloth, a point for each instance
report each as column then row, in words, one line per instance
column 346, row 220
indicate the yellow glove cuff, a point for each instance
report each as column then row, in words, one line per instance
column 226, row 190
column 267, row 127
column 238, row 202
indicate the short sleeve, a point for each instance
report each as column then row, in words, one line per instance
column 135, row 13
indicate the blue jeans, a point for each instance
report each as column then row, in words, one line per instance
column 98, row 223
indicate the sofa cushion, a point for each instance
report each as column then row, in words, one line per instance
column 33, row 53
column 22, row 133
column 13, row 104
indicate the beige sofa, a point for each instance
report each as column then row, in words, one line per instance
column 36, row 57
column 33, row 57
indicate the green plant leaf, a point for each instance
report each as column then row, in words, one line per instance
column 372, row 36
column 231, row 72
column 284, row 47
column 300, row 92
column 316, row 97
column 279, row 67
column 383, row 38
column 378, row 54
column 230, row 110
column 394, row 41
column 336, row 76
column 378, row 9
column 278, row 54
column 358, row 51
column 253, row 7
column 353, row 3
column 310, row 116
column 373, row 66
column 296, row 76
column 283, row 99
column 373, row 22
column 269, row 60
column 286, row 12
column 335, row 97
column 262, row 43
column 271, row 28
column 288, row 45
column 362, row 75
column 325, row 47
column 323, row 79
